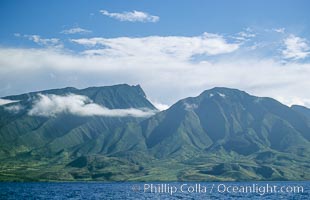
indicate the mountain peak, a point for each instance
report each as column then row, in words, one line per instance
column 119, row 96
column 124, row 86
column 139, row 90
column 223, row 92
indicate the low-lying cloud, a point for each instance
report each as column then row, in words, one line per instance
column 14, row 108
column 6, row 101
column 52, row 105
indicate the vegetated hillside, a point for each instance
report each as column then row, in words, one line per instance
column 222, row 134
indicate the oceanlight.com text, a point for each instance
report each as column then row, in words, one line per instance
column 223, row 188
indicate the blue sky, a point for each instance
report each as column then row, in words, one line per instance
column 173, row 47
column 177, row 17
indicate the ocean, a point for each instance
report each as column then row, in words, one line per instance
column 155, row 190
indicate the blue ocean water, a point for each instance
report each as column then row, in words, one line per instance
column 156, row 190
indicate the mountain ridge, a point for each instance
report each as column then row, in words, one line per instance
column 222, row 134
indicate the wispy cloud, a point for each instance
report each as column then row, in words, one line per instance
column 181, row 48
column 17, row 34
column 76, row 30
column 10, row 106
column 6, row 101
column 14, row 108
column 190, row 107
column 295, row 48
column 134, row 16
column 246, row 34
column 279, row 30
column 46, row 42
column 52, row 105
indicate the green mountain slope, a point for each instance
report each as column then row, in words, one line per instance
column 21, row 132
column 222, row 134
column 227, row 119
column 302, row 110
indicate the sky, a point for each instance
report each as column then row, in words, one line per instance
column 173, row 49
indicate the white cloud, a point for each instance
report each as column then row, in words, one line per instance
column 162, row 65
column 161, row 106
column 246, row 34
column 75, row 31
column 46, row 42
column 294, row 101
column 158, row 105
column 279, row 30
column 163, row 79
column 51, row 105
column 6, row 101
column 190, row 107
column 14, row 108
column 295, row 48
column 134, row 16
column 154, row 47
column 221, row 95
column 17, row 34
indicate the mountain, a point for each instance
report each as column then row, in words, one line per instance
column 21, row 131
column 228, row 119
column 246, row 134
column 114, row 133
column 302, row 110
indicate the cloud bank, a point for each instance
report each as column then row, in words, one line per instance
column 134, row 16
column 168, row 67
column 52, row 105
